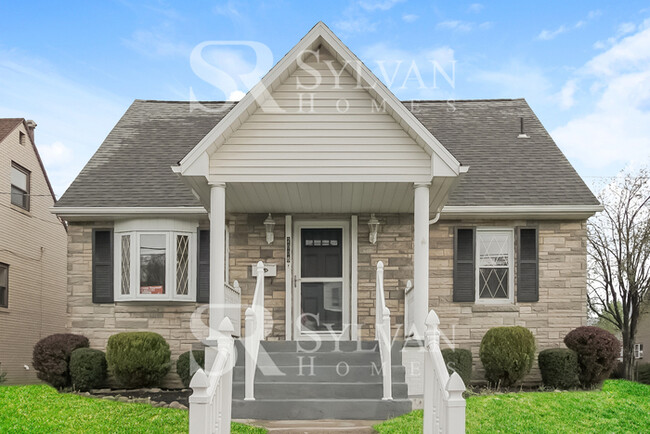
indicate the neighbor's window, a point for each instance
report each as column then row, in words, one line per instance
column 4, row 285
column 494, row 259
column 20, row 186
column 155, row 265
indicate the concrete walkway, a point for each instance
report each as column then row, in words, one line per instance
column 315, row 426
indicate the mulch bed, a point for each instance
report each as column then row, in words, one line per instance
column 155, row 394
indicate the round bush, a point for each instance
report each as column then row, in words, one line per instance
column 87, row 368
column 618, row 373
column 559, row 367
column 138, row 359
column 51, row 357
column 643, row 373
column 598, row 351
column 507, row 354
column 460, row 361
column 186, row 366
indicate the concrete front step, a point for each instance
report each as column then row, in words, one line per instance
column 320, row 346
column 319, row 390
column 311, row 409
column 320, row 374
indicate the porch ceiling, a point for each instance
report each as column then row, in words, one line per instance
column 323, row 198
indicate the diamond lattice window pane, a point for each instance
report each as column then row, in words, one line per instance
column 126, row 264
column 182, row 264
column 493, row 248
column 493, row 283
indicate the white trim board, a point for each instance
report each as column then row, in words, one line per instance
column 521, row 211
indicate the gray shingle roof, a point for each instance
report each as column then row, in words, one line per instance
column 132, row 166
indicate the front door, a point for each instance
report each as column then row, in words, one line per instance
column 321, row 280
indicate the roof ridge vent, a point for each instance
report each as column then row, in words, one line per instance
column 522, row 133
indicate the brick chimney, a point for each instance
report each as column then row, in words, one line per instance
column 31, row 126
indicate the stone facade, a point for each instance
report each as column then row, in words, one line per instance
column 562, row 282
column 562, row 288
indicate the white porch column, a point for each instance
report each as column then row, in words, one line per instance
column 217, row 256
column 421, row 258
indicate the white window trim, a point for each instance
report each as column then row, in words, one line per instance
column 170, row 267
column 511, row 267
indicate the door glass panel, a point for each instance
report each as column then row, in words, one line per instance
column 321, row 305
column 321, row 301
column 322, row 253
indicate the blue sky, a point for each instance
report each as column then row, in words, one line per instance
column 583, row 66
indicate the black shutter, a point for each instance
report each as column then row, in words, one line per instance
column 464, row 270
column 103, row 266
column 203, row 272
column 528, row 266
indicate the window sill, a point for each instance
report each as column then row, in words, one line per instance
column 495, row 308
column 21, row 210
column 153, row 301
column 4, row 310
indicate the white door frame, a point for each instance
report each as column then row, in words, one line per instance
column 295, row 277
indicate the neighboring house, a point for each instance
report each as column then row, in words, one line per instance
column 474, row 203
column 642, row 344
column 32, row 253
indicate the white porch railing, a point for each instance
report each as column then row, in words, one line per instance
column 233, row 306
column 254, row 332
column 409, row 306
column 211, row 402
column 444, row 405
column 382, row 333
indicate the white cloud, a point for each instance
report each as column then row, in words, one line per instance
column 356, row 25
column 420, row 74
column 72, row 118
column 516, row 79
column 475, row 8
column 566, row 95
column 547, row 35
column 381, row 5
column 456, row 25
column 409, row 18
column 156, row 44
column 617, row 129
column 236, row 95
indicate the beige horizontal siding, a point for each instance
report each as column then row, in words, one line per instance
column 345, row 133
column 34, row 245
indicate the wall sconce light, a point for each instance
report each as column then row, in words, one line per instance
column 269, row 224
column 373, row 225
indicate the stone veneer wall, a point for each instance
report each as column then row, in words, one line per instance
column 562, row 264
column 100, row 321
column 562, row 289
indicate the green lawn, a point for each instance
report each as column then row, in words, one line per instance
column 41, row 409
column 621, row 406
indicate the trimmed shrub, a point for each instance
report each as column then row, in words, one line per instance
column 643, row 373
column 559, row 367
column 597, row 350
column 138, row 359
column 186, row 366
column 460, row 361
column 87, row 368
column 51, row 357
column 507, row 354
column 3, row 375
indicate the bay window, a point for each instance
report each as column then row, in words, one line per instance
column 155, row 265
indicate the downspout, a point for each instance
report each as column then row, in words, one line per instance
column 434, row 220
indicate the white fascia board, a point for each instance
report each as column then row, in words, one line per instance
column 533, row 211
column 97, row 211
column 262, row 90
